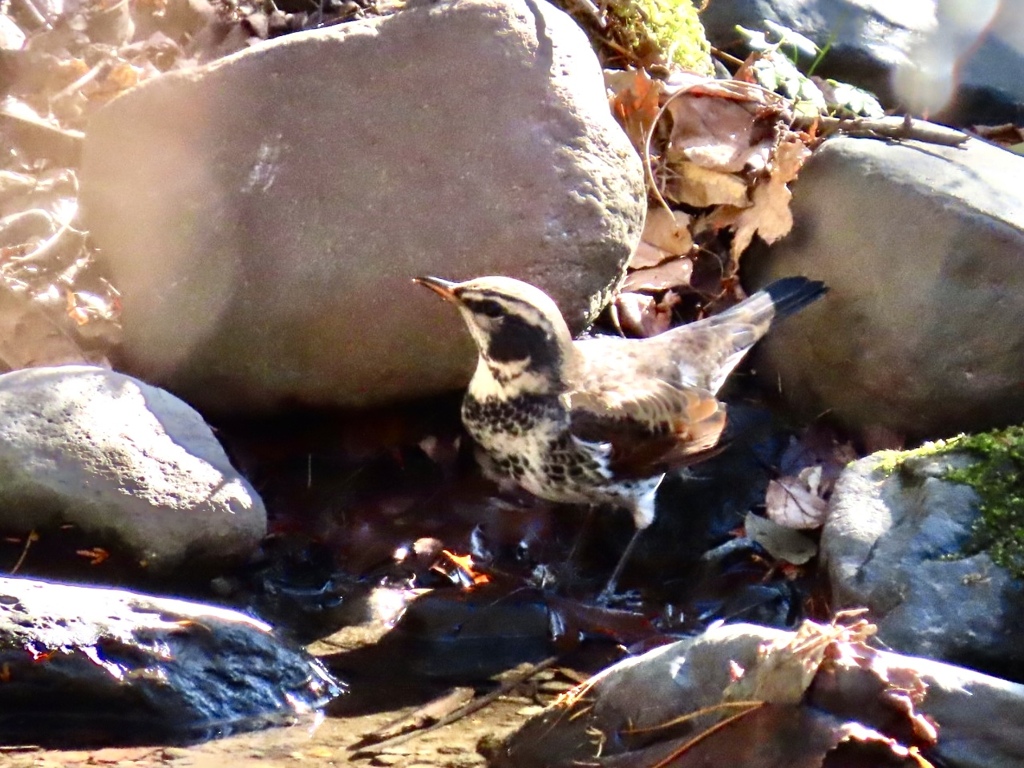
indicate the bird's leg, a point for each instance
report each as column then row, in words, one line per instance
column 580, row 535
column 608, row 593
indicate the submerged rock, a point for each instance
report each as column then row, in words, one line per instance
column 87, row 665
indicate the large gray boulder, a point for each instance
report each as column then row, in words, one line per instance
column 263, row 216
column 958, row 61
column 894, row 543
column 922, row 248
column 123, row 462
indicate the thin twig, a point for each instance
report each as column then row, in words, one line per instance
column 705, row 734
column 32, row 537
column 884, row 128
column 81, row 82
column 728, row 58
column 467, row 709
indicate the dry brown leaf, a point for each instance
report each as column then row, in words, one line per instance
column 719, row 134
column 28, row 338
column 780, row 542
column 818, row 447
column 668, row 230
column 638, row 314
column 770, row 216
column 647, row 255
column 671, row 274
column 635, row 102
column 666, row 235
column 794, row 502
column 692, row 185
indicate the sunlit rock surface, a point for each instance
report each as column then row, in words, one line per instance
column 922, row 248
column 263, row 217
column 644, row 710
column 131, row 467
column 894, row 543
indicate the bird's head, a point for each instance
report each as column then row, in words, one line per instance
column 517, row 327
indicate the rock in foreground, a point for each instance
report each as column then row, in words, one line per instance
column 87, row 666
column 823, row 697
column 263, row 216
column 129, row 465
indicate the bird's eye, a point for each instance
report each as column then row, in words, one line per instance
column 488, row 307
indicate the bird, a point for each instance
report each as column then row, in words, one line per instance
column 601, row 420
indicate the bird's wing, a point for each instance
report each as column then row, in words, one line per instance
column 650, row 427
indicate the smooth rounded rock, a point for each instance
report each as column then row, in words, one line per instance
column 263, row 216
column 121, row 460
column 922, row 248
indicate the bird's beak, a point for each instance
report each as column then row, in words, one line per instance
column 443, row 288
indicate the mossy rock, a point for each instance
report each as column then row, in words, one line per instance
column 996, row 473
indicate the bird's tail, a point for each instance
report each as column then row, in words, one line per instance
column 761, row 308
column 791, row 294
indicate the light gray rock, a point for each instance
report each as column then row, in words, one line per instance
column 956, row 60
column 978, row 716
column 263, row 217
column 922, row 248
column 87, row 666
column 893, row 543
column 120, row 459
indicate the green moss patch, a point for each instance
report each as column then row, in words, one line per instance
column 997, row 477
column 662, row 31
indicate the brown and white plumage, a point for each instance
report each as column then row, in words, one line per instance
column 599, row 420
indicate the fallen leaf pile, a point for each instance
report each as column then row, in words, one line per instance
column 720, row 155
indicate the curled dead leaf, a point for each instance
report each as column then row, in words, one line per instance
column 770, row 216
column 793, row 502
column 671, row 274
column 720, row 134
column 639, row 314
column 635, row 102
column 664, row 231
column 691, row 184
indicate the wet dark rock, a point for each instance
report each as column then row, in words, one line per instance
column 89, row 666
column 622, row 717
column 473, row 635
column 129, row 466
column 894, row 543
column 922, row 332
column 265, row 253
column 924, row 57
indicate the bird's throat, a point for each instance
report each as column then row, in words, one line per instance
column 511, row 379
